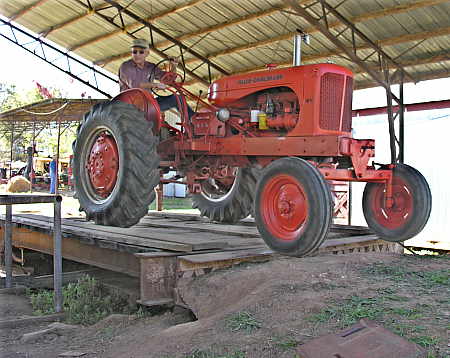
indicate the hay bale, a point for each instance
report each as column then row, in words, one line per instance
column 18, row 184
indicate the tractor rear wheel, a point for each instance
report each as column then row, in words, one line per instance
column 225, row 202
column 410, row 210
column 293, row 207
column 115, row 164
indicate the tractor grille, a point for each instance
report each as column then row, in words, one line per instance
column 347, row 113
column 331, row 92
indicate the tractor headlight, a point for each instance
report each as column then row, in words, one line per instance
column 223, row 114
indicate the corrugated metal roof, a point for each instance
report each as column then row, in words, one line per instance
column 242, row 35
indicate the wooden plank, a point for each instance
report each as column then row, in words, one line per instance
column 236, row 229
column 181, row 237
column 46, row 281
column 219, row 256
column 20, row 322
column 108, row 236
column 349, row 240
column 244, row 222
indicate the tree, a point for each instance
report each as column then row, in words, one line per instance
column 10, row 98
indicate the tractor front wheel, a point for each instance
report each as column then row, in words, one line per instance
column 115, row 164
column 227, row 202
column 410, row 208
column 293, row 207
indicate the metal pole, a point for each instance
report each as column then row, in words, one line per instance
column 11, row 151
column 57, row 255
column 297, row 60
column 401, row 150
column 57, row 156
column 8, row 246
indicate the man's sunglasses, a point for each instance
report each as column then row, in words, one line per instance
column 135, row 52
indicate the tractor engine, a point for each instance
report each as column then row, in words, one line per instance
column 306, row 100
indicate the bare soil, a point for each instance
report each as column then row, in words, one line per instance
column 268, row 310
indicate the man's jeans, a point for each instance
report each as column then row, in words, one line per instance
column 168, row 102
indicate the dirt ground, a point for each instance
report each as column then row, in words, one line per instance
column 268, row 310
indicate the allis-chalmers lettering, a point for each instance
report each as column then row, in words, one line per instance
column 260, row 79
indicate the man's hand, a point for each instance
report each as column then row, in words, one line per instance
column 173, row 63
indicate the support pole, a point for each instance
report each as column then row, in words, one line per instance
column 159, row 197
column 401, row 131
column 8, row 246
column 57, row 156
column 57, row 255
column 11, row 151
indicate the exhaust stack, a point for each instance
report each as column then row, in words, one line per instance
column 298, row 38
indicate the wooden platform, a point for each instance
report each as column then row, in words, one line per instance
column 164, row 246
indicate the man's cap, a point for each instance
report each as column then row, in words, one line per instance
column 140, row 43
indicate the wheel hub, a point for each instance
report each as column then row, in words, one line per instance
column 285, row 207
column 400, row 211
column 103, row 164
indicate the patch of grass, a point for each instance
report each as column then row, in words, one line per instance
column 441, row 277
column 426, row 341
column 425, row 279
column 173, row 203
column 409, row 313
column 285, row 343
column 209, row 354
column 350, row 311
column 242, row 321
column 405, row 329
column 381, row 269
column 85, row 302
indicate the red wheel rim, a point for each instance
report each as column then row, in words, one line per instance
column 284, row 207
column 402, row 208
column 103, row 164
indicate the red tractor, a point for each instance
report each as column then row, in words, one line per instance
column 266, row 144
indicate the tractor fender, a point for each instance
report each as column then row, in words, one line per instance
column 144, row 101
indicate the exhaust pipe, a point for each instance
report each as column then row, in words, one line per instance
column 298, row 38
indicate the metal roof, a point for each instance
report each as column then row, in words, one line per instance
column 241, row 35
column 48, row 113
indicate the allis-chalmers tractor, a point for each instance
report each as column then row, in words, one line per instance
column 266, row 145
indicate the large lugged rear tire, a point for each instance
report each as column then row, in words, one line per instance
column 410, row 210
column 115, row 164
column 293, row 207
column 228, row 205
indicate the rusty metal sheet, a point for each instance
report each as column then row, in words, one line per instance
column 364, row 339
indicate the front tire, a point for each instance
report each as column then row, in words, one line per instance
column 293, row 207
column 410, row 210
column 115, row 164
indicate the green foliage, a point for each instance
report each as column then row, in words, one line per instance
column 426, row 341
column 85, row 302
column 285, row 343
column 209, row 354
column 242, row 321
column 173, row 203
column 10, row 98
column 350, row 311
column 424, row 279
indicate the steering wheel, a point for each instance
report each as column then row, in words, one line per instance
column 169, row 78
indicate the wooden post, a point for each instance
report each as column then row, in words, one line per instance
column 57, row 255
column 8, row 246
column 159, row 197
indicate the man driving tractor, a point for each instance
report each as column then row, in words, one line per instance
column 139, row 73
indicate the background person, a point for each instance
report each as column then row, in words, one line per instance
column 53, row 166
